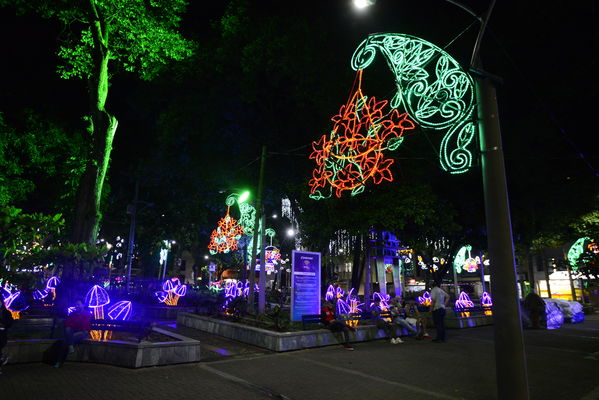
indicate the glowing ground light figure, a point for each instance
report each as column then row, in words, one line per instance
column 351, row 305
column 40, row 294
column 463, row 303
column 215, row 287
column 16, row 303
column 120, row 311
column 236, row 289
column 226, row 236
column 51, row 286
column 425, row 299
column 576, row 251
column 486, row 302
column 432, row 87
column 333, row 293
column 384, row 302
column 96, row 298
column 354, row 152
column 172, row 290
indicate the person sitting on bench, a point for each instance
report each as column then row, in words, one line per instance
column 339, row 329
column 76, row 330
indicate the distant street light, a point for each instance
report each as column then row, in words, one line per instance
column 290, row 232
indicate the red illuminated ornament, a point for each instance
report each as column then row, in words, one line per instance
column 225, row 237
column 353, row 153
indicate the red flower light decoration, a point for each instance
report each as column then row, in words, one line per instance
column 225, row 237
column 353, row 153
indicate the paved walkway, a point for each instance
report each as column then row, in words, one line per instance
column 562, row 365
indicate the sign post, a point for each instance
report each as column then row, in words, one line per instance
column 305, row 284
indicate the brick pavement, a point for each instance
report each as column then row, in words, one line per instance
column 562, row 365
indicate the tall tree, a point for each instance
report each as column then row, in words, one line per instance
column 104, row 37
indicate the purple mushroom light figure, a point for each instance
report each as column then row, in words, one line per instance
column 486, row 303
column 96, row 298
column 40, row 294
column 4, row 292
column 15, row 303
column 51, row 286
column 120, row 311
column 351, row 305
column 464, row 303
column 425, row 299
column 172, row 290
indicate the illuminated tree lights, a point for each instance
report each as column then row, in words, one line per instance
column 432, row 87
column 353, row 153
column 226, row 236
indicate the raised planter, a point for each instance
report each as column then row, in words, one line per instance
column 453, row 321
column 275, row 341
column 120, row 353
column 162, row 313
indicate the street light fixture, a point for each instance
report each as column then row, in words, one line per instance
column 243, row 197
column 512, row 379
column 362, row 4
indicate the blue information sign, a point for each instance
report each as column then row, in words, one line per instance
column 305, row 284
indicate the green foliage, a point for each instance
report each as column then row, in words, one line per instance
column 32, row 149
column 24, row 238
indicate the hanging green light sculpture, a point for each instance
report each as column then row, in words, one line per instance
column 432, row 88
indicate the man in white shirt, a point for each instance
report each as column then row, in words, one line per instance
column 439, row 299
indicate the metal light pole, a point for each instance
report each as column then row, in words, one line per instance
column 131, row 209
column 256, row 233
column 510, row 358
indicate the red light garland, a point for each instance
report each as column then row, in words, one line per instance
column 353, row 152
column 225, row 237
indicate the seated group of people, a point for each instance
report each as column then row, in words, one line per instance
column 406, row 316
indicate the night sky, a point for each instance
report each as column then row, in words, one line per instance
column 545, row 52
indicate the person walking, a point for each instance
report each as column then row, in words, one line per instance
column 439, row 300
column 6, row 321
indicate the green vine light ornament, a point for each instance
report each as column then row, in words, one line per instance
column 432, row 88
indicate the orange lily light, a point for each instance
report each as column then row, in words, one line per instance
column 354, row 152
column 225, row 237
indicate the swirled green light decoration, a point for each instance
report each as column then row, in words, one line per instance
column 576, row 251
column 460, row 258
column 432, row 87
